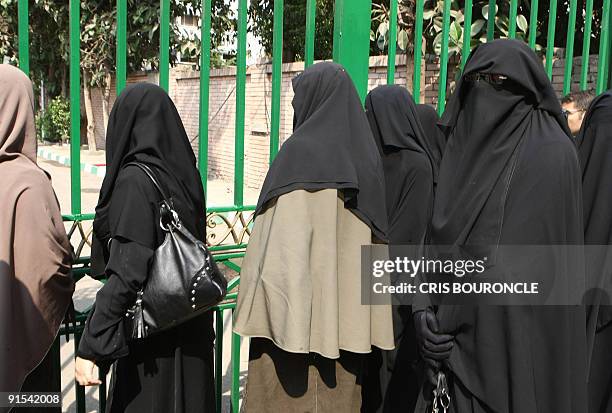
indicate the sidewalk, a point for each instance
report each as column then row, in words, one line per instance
column 91, row 162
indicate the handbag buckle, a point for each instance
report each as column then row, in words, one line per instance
column 173, row 222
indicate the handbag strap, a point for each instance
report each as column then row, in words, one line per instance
column 147, row 169
column 169, row 210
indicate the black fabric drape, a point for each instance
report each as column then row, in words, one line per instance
column 331, row 147
column 171, row 371
column 409, row 169
column 429, row 120
column 145, row 126
column 408, row 162
column 510, row 175
column 595, row 153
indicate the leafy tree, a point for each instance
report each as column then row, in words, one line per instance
column 49, row 41
column 294, row 30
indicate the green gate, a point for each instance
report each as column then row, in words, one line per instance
column 352, row 20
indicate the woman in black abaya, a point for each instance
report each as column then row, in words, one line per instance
column 595, row 153
column 510, row 175
column 171, row 371
column 409, row 166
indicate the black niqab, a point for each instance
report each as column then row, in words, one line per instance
column 331, row 147
column 145, row 126
column 510, row 176
column 476, row 113
column 595, row 153
column 429, row 121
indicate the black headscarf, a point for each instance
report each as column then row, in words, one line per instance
column 595, row 153
column 331, row 147
column 408, row 162
column 510, row 176
column 429, row 120
column 145, row 126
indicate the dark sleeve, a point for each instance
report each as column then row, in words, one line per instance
column 104, row 338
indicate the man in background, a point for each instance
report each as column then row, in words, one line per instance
column 575, row 105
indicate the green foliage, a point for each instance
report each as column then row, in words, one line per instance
column 53, row 124
column 49, row 39
column 294, row 16
column 379, row 33
column 433, row 16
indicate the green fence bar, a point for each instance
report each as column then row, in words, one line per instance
column 418, row 46
column 277, row 74
column 604, row 47
column 121, row 45
column 218, row 358
column 75, row 108
column 392, row 42
column 204, row 93
column 550, row 39
column 311, row 15
column 352, row 40
column 23, row 36
column 164, row 44
column 491, row 21
column 569, row 48
column 609, row 71
column 444, row 57
column 512, row 19
column 467, row 32
column 240, row 103
column 586, row 44
column 235, row 363
column 533, row 24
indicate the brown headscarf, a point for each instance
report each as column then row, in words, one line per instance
column 35, row 287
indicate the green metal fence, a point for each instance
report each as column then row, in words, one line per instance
column 351, row 46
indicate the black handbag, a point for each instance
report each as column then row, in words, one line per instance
column 184, row 281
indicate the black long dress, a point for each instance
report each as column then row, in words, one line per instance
column 171, row 371
column 595, row 153
column 510, row 176
column 410, row 167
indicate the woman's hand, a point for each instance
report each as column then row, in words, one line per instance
column 84, row 372
column 433, row 346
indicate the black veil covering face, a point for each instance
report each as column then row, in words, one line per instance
column 409, row 168
column 510, row 175
column 429, row 120
column 331, row 147
column 595, row 153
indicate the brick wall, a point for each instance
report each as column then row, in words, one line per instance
column 184, row 91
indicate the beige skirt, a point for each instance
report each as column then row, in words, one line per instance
column 300, row 283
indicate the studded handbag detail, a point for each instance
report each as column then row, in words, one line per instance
column 183, row 282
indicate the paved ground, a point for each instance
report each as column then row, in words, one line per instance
column 219, row 194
